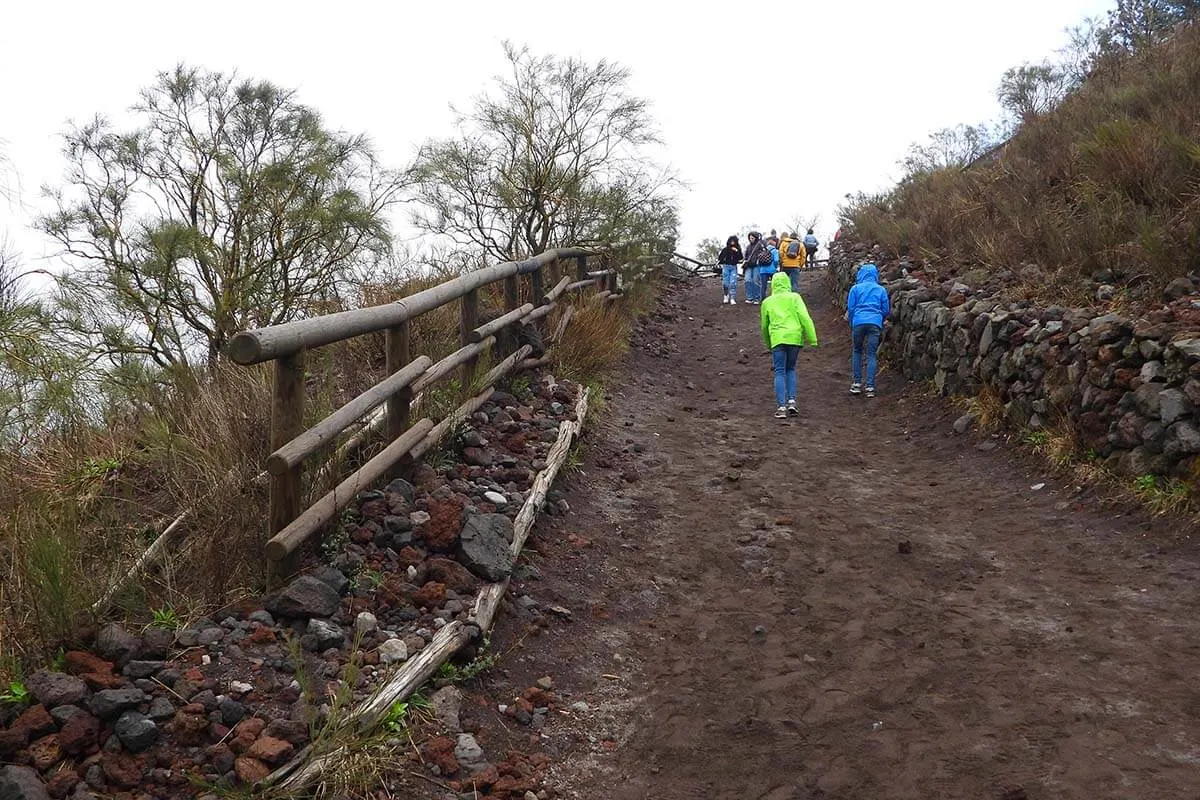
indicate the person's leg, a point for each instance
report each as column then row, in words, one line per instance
column 779, row 359
column 729, row 280
column 871, row 345
column 764, row 281
column 856, row 340
column 793, row 353
column 794, row 277
column 751, row 280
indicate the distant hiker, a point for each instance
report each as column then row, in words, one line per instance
column 756, row 248
column 729, row 258
column 810, row 246
column 867, row 306
column 767, row 271
column 791, row 258
column 786, row 328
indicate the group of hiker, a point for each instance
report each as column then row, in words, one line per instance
column 786, row 324
column 763, row 258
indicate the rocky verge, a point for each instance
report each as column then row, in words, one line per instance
column 220, row 703
column 1128, row 387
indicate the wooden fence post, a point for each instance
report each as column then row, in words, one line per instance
column 512, row 292
column 537, row 286
column 398, row 354
column 287, row 421
column 468, row 321
column 581, row 261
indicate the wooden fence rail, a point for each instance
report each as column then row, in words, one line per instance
column 407, row 375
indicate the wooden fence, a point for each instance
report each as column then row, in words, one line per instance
column 565, row 270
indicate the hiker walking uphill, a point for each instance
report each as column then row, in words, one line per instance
column 810, row 246
column 867, row 306
column 729, row 257
column 756, row 255
column 786, row 328
column 791, row 258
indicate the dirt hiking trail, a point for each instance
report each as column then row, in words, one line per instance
column 746, row 625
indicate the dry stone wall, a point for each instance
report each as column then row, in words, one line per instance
column 1128, row 388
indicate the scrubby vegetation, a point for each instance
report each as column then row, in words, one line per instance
column 1094, row 177
column 229, row 205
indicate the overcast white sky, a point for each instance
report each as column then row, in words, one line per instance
column 842, row 88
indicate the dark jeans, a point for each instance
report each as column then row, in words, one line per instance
column 764, row 279
column 866, row 342
column 783, row 358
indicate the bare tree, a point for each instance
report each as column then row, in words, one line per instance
column 231, row 206
column 949, row 147
column 555, row 156
column 1031, row 90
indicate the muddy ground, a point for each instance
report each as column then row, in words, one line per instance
column 855, row 603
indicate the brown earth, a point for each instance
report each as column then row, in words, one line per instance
column 856, row 603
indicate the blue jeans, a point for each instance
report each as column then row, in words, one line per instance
column 750, row 275
column 783, row 358
column 764, row 283
column 729, row 278
column 794, row 276
column 866, row 342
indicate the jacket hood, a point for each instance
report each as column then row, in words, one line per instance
column 867, row 272
column 781, row 283
column 731, row 241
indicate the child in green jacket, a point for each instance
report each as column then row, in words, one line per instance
column 786, row 327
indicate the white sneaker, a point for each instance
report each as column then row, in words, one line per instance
column 781, row 413
column 724, row 299
column 732, row 302
column 791, row 408
column 855, row 388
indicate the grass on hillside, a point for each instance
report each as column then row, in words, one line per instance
column 1104, row 188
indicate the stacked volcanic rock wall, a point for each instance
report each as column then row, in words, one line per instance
column 1128, row 387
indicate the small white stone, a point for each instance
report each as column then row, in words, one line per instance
column 411, row 572
column 239, row 687
column 418, row 517
column 495, row 498
column 365, row 622
column 206, row 659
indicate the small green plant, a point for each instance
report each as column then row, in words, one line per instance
column 484, row 660
column 371, row 578
column 1162, row 495
column 165, row 617
column 17, row 694
column 403, row 712
column 518, row 386
column 1036, row 438
column 1145, row 483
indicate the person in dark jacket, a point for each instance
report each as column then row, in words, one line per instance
column 729, row 258
column 867, row 306
column 754, row 293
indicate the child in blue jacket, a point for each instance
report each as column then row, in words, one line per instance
column 866, row 308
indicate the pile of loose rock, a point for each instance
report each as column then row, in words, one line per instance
column 1129, row 387
column 227, row 699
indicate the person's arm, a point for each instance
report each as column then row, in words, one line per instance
column 886, row 304
column 765, row 321
column 851, row 303
column 806, row 323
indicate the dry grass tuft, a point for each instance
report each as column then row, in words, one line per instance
column 594, row 343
